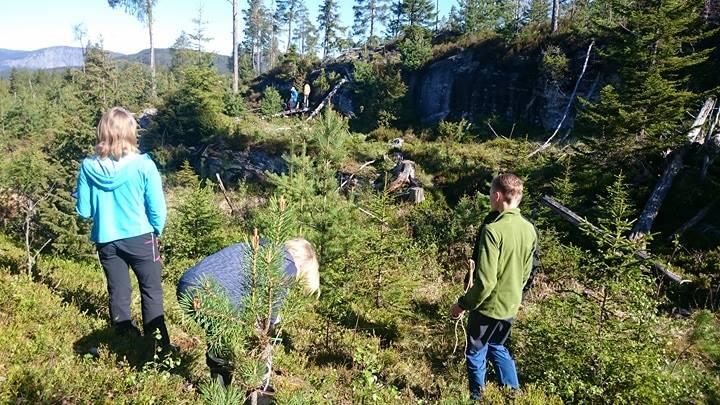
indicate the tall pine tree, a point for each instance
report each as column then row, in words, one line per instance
column 254, row 17
column 143, row 11
column 329, row 26
column 484, row 15
column 418, row 13
column 537, row 12
column 395, row 24
column 306, row 34
column 369, row 15
column 199, row 36
column 288, row 12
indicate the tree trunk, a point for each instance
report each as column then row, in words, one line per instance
column 555, row 15
column 417, row 195
column 255, row 61
column 236, row 77
column 696, row 129
column 404, row 172
column 713, row 147
column 289, row 34
column 653, row 204
column 148, row 4
column 28, row 222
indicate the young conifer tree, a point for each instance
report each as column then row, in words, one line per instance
column 244, row 334
column 654, row 48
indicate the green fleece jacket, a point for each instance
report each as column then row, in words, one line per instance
column 505, row 257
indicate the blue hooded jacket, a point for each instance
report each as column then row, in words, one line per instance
column 123, row 197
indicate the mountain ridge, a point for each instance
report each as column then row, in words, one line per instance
column 59, row 57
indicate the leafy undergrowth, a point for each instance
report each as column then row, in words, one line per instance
column 56, row 347
column 46, row 358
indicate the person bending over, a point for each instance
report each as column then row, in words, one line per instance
column 227, row 270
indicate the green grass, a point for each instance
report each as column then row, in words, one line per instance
column 50, row 323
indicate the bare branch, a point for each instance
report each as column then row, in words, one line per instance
column 224, row 191
column 567, row 107
column 353, row 175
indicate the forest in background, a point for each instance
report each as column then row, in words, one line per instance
column 599, row 325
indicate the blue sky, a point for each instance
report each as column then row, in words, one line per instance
column 34, row 24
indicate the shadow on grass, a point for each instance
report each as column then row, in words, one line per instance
column 138, row 352
column 93, row 303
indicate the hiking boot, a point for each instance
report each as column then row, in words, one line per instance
column 127, row 328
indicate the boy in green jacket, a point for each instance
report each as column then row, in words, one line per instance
column 504, row 260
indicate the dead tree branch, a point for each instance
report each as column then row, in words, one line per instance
column 353, row 175
column 578, row 221
column 224, row 191
column 569, row 104
column 694, row 220
column 29, row 214
column 653, row 204
column 327, row 99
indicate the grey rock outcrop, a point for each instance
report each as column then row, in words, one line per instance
column 489, row 80
column 248, row 165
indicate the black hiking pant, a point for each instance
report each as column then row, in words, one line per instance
column 221, row 370
column 140, row 253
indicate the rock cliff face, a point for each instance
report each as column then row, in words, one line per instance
column 490, row 80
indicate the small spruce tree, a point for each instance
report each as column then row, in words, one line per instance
column 196, row 222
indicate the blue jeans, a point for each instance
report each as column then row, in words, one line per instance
column 485, row 340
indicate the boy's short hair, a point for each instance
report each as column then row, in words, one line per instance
column 116, row 134
column 306, row 263
column 510, row 185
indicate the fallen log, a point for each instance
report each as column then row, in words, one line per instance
column 291, row 112
column 652, row 206
column 694, row 220
column 578, row 221
column 696, row 129
column 662, row 187
column 327, row 99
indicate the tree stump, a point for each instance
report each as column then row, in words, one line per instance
column 416, row 195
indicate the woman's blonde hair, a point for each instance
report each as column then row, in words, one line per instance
column 306, row 262
column 116, row 134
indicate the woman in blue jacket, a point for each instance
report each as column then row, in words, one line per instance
column 121, row 190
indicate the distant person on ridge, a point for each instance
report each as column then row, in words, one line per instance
column 121, row 190
column 306, row 95
column 504, row 260
column 226, row 268
column 292, row 104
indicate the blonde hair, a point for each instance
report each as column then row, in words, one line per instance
column 306, row 263
column 509, row 185
column 116, row 134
